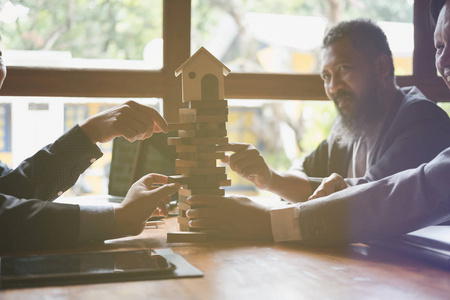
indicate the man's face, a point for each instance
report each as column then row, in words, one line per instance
column 2, row 70
column 442, row 43
column 348, row 77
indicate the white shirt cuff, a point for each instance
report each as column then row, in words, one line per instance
column 285, row 225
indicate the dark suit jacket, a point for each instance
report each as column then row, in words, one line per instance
column 28, row 218
column 414, row 132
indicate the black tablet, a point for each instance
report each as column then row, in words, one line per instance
column 81, row 268
column 430, row 244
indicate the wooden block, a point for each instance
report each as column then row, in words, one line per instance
column 204, row 111
column 178, row 178
column 211, row 163
column 200, row 103
column 196, row 126
column 189, row 192
column 201, row 181
column 211, row 125
column 208, row 185
column 191, row 118
column 191, row 133
column 184, row 227
column 183, row 206
column 225, row 182
column 182, row 213
column 187, row 237
column 183, row 220
column 201, row 156
column 203, row 133
column 174, row 141
column 185, row 193
column 182, row 126
column 182, row 199
column 196, row 148
column 209, row 141
column 200, row 171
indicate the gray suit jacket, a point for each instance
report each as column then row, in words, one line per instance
column 393, row 206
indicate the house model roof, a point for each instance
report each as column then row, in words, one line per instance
column 202, row 51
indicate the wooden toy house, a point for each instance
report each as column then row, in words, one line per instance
column 202, row 77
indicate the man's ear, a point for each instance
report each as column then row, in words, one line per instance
column 382, row 65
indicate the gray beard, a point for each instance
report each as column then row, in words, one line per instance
column 364, row 122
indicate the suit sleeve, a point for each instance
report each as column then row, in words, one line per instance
column 29, row 224
column 395, row 205
column 53, row 169
column 28, row 218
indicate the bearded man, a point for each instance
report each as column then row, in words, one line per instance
column 381, row 128
column 389, row 207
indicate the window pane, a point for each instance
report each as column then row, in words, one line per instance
column 78, row 33
column 445, row 106
column 285, row 36
column 49, row 118
column 5, row 131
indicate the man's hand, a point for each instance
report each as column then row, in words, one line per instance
column 230, row 217
column 329, row 185
column 131, row 120
column 141, row 201
column 248, row 163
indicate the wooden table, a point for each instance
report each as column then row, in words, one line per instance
column 263, row 270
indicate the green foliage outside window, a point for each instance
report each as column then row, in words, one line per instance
column 114, row 29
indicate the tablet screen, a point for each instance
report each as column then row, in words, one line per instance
column 82, row 265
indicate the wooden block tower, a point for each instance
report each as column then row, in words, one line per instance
column 201, row 127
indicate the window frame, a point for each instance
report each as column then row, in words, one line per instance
column 64, row 82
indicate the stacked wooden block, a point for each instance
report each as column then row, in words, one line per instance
column 201, row 127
